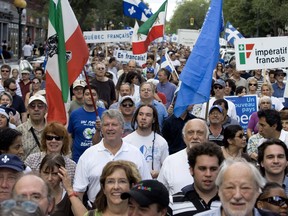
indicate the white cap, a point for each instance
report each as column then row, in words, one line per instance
column 37, row 97
column 79, row 82
column 127, row 97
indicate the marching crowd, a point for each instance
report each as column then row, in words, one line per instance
column 132, row 155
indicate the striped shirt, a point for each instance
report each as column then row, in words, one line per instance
column 188, row 202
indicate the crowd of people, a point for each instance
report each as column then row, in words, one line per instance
column 130, row 155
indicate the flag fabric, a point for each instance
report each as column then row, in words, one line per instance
column 152, row 29
column 67, row 54
column 136, row 9
column 231, row 34
column 166, row 63
column 196, row 76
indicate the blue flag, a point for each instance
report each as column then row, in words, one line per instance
column 136, row 9
column 196, row 76
column 166, row 63
column 231, row 34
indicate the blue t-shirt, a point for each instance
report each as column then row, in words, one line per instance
column 82, row 127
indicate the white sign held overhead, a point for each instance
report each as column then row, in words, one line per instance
column 108, row 36
column 123, row 55
column 261, row 53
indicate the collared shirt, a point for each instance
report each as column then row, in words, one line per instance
column 92, row 161
column 278, row 91
column 30, row 145
column 217, row 212
column 188, row 202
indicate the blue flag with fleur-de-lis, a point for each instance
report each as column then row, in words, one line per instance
column 136, row 9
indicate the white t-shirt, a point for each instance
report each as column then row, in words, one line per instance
column 175, row 173
column 92, row 161
column 144, row 144
column 27, row 50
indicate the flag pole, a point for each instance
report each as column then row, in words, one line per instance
column 162, row 43
column 89, row 87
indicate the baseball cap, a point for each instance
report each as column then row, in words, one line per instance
column 37, row 97
column 81, row 83
column 12, row 162
column 6, row 111
column 148, row 192
column 150, row 70
column 216, row 107
column 220, row 82
column 25, row 71
column 127, row 97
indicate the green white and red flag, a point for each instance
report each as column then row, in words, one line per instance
column 67, row 54
column 152, row 29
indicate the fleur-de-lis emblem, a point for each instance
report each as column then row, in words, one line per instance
column 131, row 10
column 147, row 11
column 5, row 159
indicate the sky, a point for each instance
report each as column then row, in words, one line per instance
column 155, row 5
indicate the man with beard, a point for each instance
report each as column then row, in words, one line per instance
column 204, row 160
column 146, row 137
column 174, row 173
column 272, row 157
column 239, row 184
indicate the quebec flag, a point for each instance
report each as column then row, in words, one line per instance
column 166, row 63
column 136, row 9
column 232, row 33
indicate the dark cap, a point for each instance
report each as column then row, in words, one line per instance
column 148, row 192
column 219, row 108
column 220, row 82
column 12, row 162
column 279, row 71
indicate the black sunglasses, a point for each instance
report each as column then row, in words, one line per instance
column 218, row 87
column 58, row 138
column 252, row 84
column 276, row 200
column 127, row 105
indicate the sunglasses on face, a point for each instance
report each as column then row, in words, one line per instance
column 13, row 89
column 127, row 105
column 28, row 206
column 276, row 200
column 7, row 71
column 57, row 138
column 218, row 87
column 252, row 84
column 40, row 106
column 241, row 136
column 100, row 68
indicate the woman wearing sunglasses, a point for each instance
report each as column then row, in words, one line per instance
column 54, row 139
column 234, row 142
column 36, row 87
column 273, row 198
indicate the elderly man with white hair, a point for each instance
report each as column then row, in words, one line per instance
column 239, row 184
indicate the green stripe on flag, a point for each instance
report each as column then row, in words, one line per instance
column 62, row 64
column 145, row 27
column 242, row 58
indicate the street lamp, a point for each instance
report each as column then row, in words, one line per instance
column 20, row 5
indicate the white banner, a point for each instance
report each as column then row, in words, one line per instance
column 261, row 53
column 123, row 55
column 108, row 36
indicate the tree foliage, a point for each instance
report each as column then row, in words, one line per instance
column 185, row 11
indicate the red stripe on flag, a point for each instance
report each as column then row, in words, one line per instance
column 80, row 54
column 142, row 46
column 56, row 109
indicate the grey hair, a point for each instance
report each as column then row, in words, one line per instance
column 258, row 178
column 265, row 98
column 153, row 87
column 206, row 129
column 113, row 113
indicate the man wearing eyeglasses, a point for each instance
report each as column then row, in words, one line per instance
column 5, row 74
column 32, row 129
column 279, row 86
column 218, row 88
column 272, row 157
column 32, row 187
